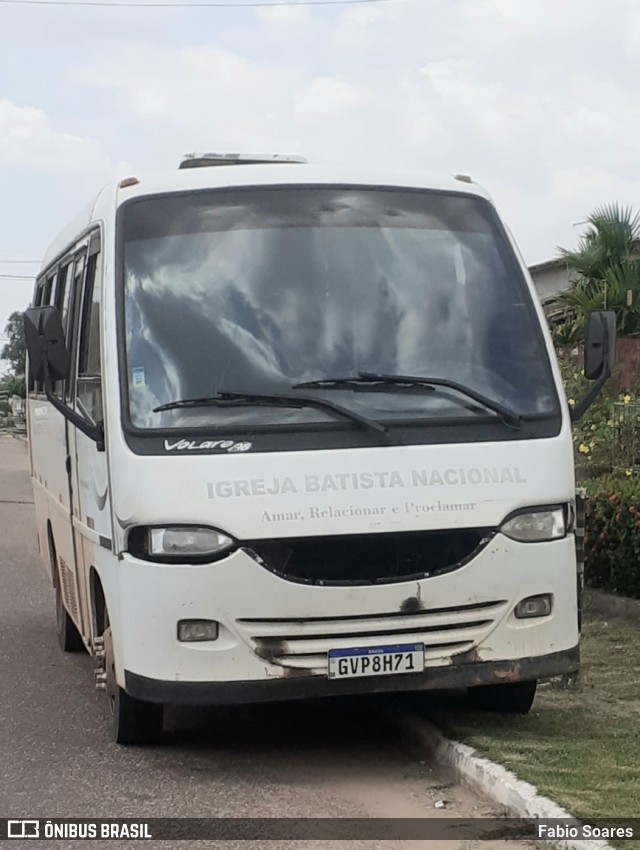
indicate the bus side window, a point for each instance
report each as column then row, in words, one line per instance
column 61, row 301
column 38, row 297
column 48, row 291
column 44, row 298
column 88, row 388
column 76, row 272
column 63, row 293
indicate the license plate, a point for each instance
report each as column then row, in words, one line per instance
column 376, row 661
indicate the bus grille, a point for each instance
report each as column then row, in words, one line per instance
column 351, row 559
column 303, row 644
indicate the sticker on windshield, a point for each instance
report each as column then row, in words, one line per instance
column 138, row 376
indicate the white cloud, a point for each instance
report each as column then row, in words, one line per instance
column 632, row 36
column 587, row 185
column 285, row 16
column 363, row 26
column 534, row 99
column 544, row 131
column 484, row 25
column 209, row 97
column 27, row 138
column 327, row 99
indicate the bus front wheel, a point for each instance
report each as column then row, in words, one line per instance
column 505, row 698
column 132, row 720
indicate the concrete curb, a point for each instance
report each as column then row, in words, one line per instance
column 499, row 785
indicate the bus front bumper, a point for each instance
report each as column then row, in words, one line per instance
column 455, row 676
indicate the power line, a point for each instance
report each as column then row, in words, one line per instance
column 257, row 4
column 19, row 262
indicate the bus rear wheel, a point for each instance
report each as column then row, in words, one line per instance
column 505, row 698
column 133, row 721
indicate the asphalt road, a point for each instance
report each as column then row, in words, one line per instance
column 333, row 759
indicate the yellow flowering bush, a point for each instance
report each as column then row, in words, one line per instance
column 595, row 433
column 609, row 430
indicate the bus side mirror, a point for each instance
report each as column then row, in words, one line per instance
column 49, row 362
column 44, row 338
column 599, row 355
column 599, row 343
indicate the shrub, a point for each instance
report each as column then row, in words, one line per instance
column 612, row 535
column 594, row 434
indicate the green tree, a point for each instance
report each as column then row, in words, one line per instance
column 606, row 272
column 15, row 350
column 14, row 385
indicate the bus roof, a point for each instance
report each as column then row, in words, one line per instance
column 272, row 174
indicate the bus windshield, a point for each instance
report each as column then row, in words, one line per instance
column 256, row 290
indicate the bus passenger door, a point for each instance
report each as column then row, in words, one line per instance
column 49, row 446
column 89, row 474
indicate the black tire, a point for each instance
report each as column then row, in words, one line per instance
column 134, row 721
column 69, row 637
column 507, row 698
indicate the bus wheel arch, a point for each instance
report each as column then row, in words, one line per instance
column 98, row 603
column 51, row 550
column 132, row 720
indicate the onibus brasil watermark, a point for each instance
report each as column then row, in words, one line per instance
column 329, row 828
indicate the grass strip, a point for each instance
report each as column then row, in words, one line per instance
column 581, row 745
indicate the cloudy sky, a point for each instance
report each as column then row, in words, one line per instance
column 536, row 99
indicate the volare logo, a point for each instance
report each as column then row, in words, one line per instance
column 206, row 446
column 23, row 829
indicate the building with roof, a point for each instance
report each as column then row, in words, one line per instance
column 550, row 279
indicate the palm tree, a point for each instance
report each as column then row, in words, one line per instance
column 606, row 269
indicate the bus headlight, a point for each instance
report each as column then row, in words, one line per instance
column 180, row 543
column 536, row 525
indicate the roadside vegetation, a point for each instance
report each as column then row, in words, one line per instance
column 607, row 458
column 13, row 383
column 606, row 269
column 580, row 746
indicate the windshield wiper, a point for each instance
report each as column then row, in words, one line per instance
column 371, row 379
column 250, row 399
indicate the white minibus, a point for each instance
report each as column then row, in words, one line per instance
column 299, row 432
